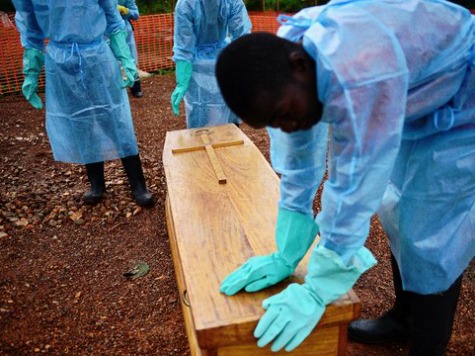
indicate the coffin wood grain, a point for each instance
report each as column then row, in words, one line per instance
column 214, row 228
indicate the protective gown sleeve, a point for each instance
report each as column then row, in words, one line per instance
column 239, row 22
column 115, row 22
column 300, row 159
column 30, row 33
column 133, row 11
column 184, row 39
column 364, row 89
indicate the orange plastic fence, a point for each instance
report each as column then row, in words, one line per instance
column 11, row 54
column 153, row 36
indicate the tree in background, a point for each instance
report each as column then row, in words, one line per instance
column 148, row 7
column 290, row 6
column 167, row 6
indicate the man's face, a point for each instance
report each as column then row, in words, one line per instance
column 295, row 108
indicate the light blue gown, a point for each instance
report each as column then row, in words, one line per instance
column 202, row 29
column 397, row 80
column 88, row 116
column 132, row 15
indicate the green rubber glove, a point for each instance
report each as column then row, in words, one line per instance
column 183, row 76
column 121, row 50
column 33, row 61
column 294, row 234
column 292, row 314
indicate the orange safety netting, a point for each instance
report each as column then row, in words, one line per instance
column 153, row 36
column 11, row 54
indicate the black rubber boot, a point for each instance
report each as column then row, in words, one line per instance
column 136, row 89
column 95, row 174
column 433, row 318
column 383, row 329
column 394, row 325
column 133, row 168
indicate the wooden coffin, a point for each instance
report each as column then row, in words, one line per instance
column 221, row 209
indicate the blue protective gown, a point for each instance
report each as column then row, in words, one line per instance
column 202, row 29
column 397, row 81
column 132, row 15
column 88, row 116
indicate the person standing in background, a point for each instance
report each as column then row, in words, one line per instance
column 88, row 117
column 129, row 11
column 202, row 29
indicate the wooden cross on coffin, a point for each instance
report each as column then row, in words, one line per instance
column 209, row 147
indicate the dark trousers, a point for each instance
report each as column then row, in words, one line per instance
column 430, row 316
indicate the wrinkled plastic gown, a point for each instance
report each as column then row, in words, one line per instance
column 204, row 104
column 88, row 116
column 397, row 80
column 200, row 41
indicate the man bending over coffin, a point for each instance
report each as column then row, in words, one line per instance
column 395, row 82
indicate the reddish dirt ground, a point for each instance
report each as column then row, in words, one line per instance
column 62, row 289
